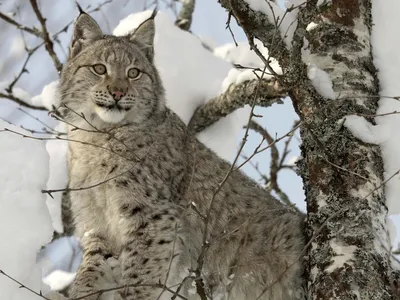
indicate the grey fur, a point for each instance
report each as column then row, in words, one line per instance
column 157, row 182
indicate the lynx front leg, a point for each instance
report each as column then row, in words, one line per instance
column 149, row 257
column 91, row 270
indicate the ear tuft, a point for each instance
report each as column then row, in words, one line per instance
column 86, row 30
column 81, row 11
column 144, row 35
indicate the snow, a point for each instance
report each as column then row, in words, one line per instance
column 245, row 57
column 292, row 161
column 311, row 26
column 386, row 43
column 62, row 254
column 21, row 94
column 286, row 19
column 59, row 280
column 191, row 75
column 58, row 171
column 25, row 224
column 343, row 255
column 48, row 97
column 365, row 131
column 321, row 81
column 17, row 48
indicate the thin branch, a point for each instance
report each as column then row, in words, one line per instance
column 49, row 128
column 200, row 288
column 33, row 31
column 23, row 69
column 21, row 102
column 46, row 37
column 228, row 26
column 101, row 292
column 275, row 165
column 21, row 285
column 257, row 150
column 63, row 139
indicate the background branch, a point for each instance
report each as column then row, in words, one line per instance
column 184, row 19
column 46, row 37
column 235, row 97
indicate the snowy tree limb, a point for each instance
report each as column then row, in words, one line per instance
column 235, row 97
column 184, row 19
column 257, row 25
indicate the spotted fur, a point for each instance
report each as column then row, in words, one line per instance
column 144, row 185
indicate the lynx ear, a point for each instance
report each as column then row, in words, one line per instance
column 86, row 30
column 144, row 36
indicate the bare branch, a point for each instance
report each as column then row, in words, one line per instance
column 235, row 97
column 21, row 285
column 33, row 31
column 275, row 165
column 259, row 149
column 46, row 37
column 20, row 101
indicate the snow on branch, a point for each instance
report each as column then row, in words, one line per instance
column 266, row 27
column 184, row 19
column 235, row 97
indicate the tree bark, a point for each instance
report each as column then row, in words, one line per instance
column 236, row 96
column 348, row 257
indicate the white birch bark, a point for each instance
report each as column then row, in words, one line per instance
column 348, row 256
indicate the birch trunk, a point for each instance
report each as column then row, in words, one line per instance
column 348, row 257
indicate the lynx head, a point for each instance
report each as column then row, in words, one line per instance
column 111, row 79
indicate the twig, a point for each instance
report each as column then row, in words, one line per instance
column 101, row 292
column 257, row 151
column 63, row 139
column 228, row 26
column 46, row 37
column 21, row 285
column 23, row 69
column 33, row 31
column 51, row 130
column 20, row 101
column 275, row 165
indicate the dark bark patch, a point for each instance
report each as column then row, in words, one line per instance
column 343, row 12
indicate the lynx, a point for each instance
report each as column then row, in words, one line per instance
column 147, row 192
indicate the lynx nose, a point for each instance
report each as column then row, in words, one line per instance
column 117, row 92
column 117, row 95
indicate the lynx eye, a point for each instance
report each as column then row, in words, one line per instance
column 100, row 69
column 134, row 73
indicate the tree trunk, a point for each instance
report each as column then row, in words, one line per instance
column 348, row 257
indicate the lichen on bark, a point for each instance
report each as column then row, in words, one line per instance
column 348, row 256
